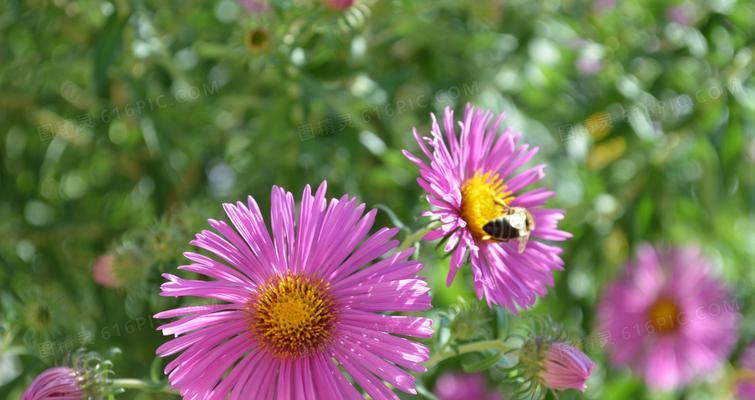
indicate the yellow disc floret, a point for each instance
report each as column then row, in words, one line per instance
column 664, row 316
column 483, row 198
column 292, row 315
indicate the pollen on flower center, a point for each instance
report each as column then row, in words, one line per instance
column 482, row 199
column 664, row 316
column 292, row 315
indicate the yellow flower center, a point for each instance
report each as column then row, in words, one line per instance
column 745, row 374
column 483, row 198
column 292, row 315
column 664, row 316
column 257, row 40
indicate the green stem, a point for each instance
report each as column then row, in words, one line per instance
column 417, row 235
column 138, row 384
column 473, row 347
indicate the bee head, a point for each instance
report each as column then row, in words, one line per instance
column 530, row 221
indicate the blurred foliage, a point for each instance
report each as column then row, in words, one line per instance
column 126, row 124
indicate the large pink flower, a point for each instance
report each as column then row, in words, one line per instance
column 668, row 318
column 59, row 383
column 471, row 179
column 299, row 309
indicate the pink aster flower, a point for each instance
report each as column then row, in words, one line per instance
column 59, row 383
column 746, row 381
column 460, row 386
column 471, row 179
column 566, row 367
column 668, row 318
column 299, row 308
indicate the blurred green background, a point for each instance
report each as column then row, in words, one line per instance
column 125, row 124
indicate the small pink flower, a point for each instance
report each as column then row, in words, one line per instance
column 589, row 65
column 255, row 6
column 59, row 383
column 461, row 386
column 682, row 14
column 103, row 272
column 668, row 318
column 565, row 367
column 340, row 5
column 604, row 5
column 746, row 382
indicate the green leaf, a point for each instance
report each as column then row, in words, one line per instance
column 107, row 47
column 395, row 220
column 422, row 390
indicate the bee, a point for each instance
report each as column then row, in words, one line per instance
column 514, row 223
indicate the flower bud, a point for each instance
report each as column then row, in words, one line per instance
column 103, row 272
column 55, row 383
column 565, row 367
column 545, row 361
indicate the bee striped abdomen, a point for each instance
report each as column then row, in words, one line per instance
column 500, row 228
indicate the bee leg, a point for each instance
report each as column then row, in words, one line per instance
column 501, row 203
column 487, row 237
column 523, row 242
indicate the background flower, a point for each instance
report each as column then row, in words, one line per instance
column 668, row 318
column 103, row 272
column 340, row 4
column 745, row 384
column 255, row 6
column 462, row 386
